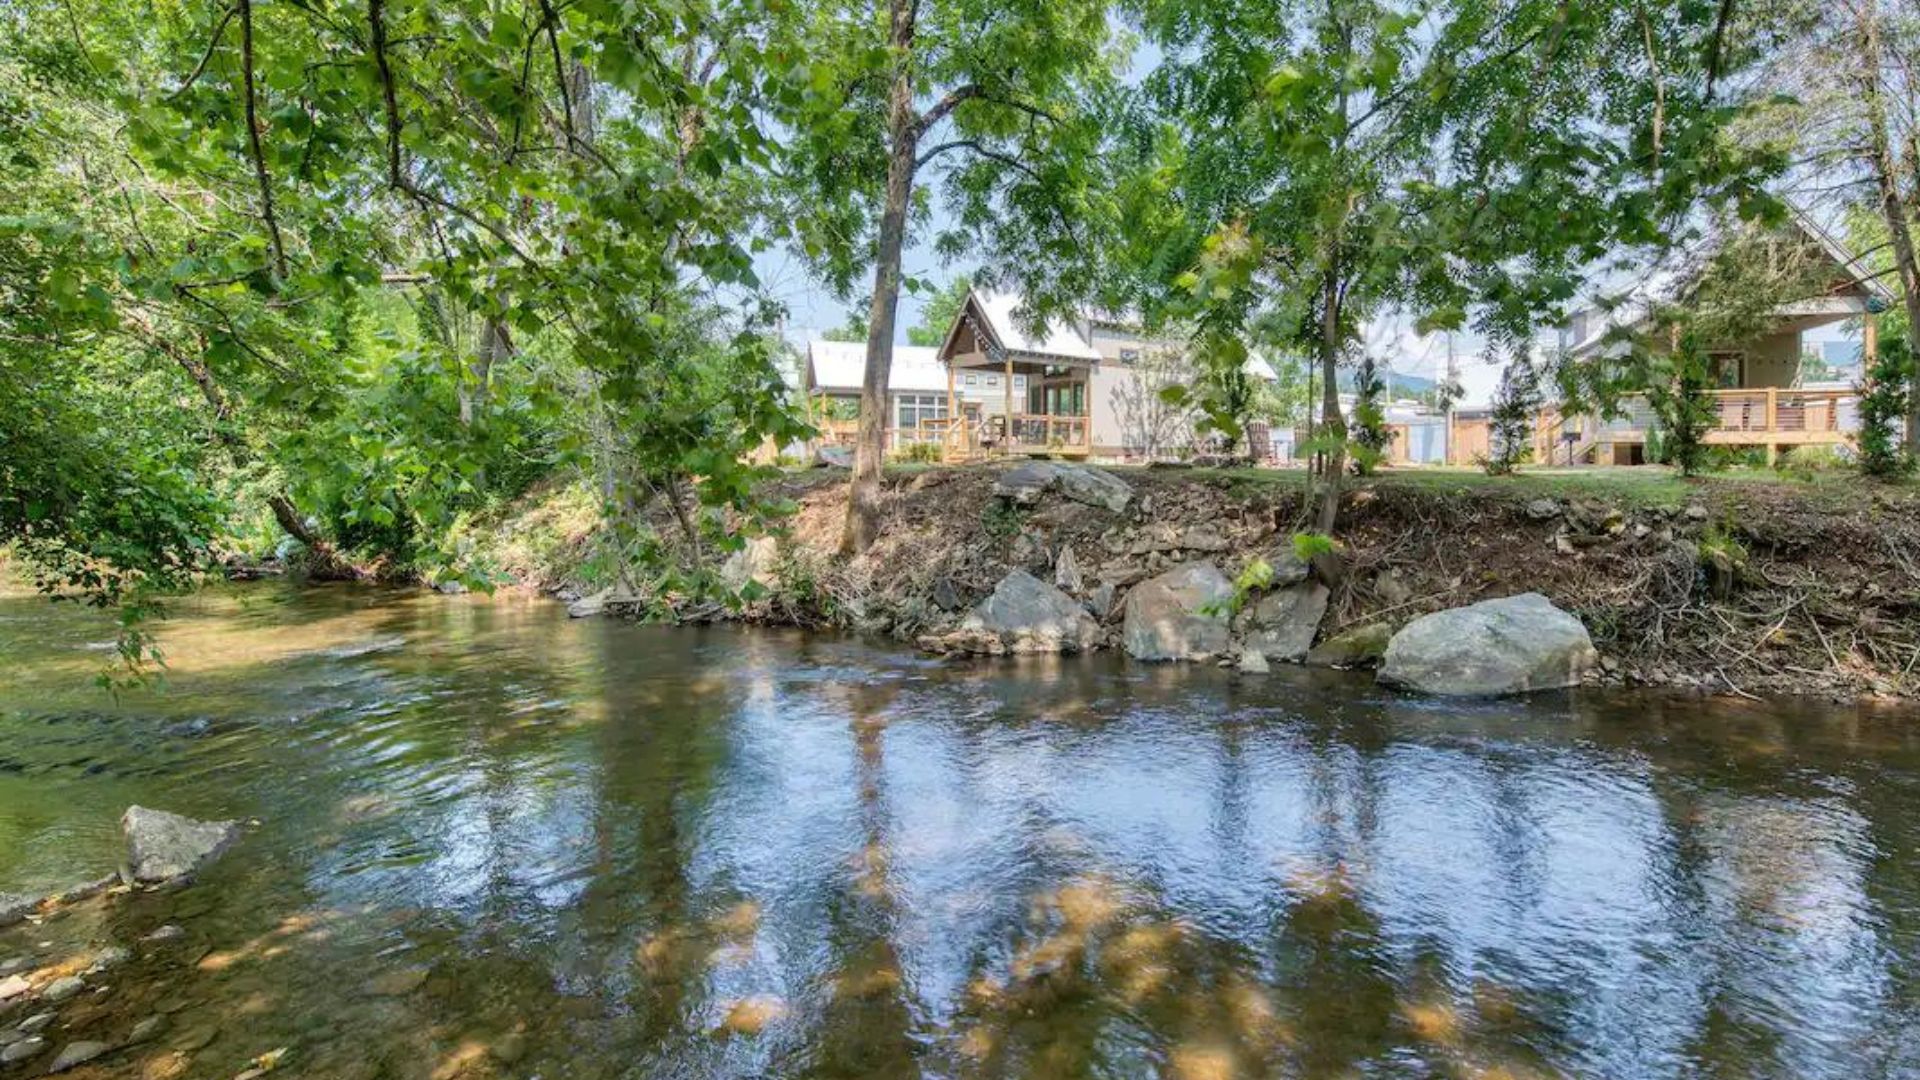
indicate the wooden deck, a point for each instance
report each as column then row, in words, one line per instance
column 1034, row 435
column 1772, row 418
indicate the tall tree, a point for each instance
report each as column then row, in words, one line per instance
column 997, row 98
column 1334, row 159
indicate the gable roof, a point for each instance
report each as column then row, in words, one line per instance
column 996, row 314
column 841, row 366
column 1592, row 325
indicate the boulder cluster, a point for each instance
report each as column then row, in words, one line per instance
column 1161, row 593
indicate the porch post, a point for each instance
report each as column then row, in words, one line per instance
column 1008, row 375
column 953, row 416
column 1870, row 338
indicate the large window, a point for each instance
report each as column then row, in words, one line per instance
column 911, row 409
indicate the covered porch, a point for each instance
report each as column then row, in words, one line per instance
column 1042, row 405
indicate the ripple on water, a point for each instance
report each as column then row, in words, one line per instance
column 494, row 841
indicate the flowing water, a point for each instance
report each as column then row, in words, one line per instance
column 488, row 841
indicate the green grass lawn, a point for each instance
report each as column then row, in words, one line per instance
column 1643, row 485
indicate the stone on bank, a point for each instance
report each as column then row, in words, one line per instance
column 1179, row 615
column 1512, row 645
column 1025, row 483
column 1022, row 615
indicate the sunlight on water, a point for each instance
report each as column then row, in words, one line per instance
column 489, row 841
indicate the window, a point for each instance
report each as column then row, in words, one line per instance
column 911, row 409
column 1020, row 383
column 1128, row 356
column 972, row 380
column 993, row 380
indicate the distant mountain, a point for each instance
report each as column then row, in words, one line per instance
column 1402, row 384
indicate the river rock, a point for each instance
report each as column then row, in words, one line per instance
column 1252, row 662
column 1282, row 623
column 14, row 907
column 1179, row 615
column 13, row 986
column 1361, row 646
column 163, row 846
column 1287, row 567
column 752, row 564
column 22, row 1050
column 1100, row 600
column 78, row 1054
column 1026, row 615
column 146, row 1029
column 63, row 988
column 1511, row 645
column 1066, row 571
column 37, row 1023
column 1026, row 482
column 169, row 932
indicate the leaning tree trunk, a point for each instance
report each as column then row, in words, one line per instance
column 863, row 502
column 1892, row 207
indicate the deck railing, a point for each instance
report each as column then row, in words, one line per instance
column 1761, row 415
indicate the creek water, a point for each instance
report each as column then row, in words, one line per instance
column 487, row 840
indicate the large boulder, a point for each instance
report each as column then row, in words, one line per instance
column 1507, row 646
column 163, row 846
column 1180, row 615
column 1024, row 615
column 1026, row 482
column 1281, row 624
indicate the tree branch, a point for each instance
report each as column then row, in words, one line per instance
column 253, row 142
column 939, row 110
column 219, row 30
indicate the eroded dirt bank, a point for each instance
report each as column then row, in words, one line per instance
column 1735, row 587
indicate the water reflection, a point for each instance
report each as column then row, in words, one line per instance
column 496, row 842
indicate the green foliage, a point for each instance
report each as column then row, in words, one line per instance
column 1002, row 520
column 919, row 453
column 938, row 311
column 1310, row 546
column 1678, row 393
column 1369, row 434
column 1884, row 398
column 1809, row 463
column 1516, row 402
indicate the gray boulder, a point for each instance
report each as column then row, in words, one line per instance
column 163, row 846
column 1026, row 482
column 833, row 457
column 1511, row 645
column 1288, row 568
column 1281, row 624
column 1180, row 615
column 1026, row 615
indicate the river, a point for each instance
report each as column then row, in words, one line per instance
column 490, row 841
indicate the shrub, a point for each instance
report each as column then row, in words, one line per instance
column 1510, row 435
column 1681, row 402
column 922, row 453
column 1370, row 435
column 1810, row 462
column 1883, row 400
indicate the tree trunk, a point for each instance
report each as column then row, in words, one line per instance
column 1333, row 425
column 1892, row 206
column 903, row 124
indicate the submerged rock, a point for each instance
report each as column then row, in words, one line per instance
column 1024, row 615
column 14, row 907
column 588, row 606
column 78, row 1054
column 61, row 989
column 163, row 846
column 1180, row 615
column 1026, row 482
column 1253, row 663
column 13, row 986
column 22, row 1050
column 1361, row 646
column 1281, row 624
column 1511, row 645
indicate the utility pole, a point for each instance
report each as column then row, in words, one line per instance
column 1446, row 397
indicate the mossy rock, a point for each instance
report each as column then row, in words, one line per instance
column 1362, row 646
